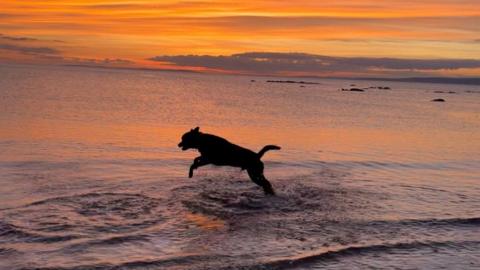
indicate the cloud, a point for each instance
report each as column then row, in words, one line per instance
column 93, row 61
column 48, row 55
column 66, row 60
column 11, row 38
column 195, row 6
column 298, row 63
column 29, row 50
column 26, row 39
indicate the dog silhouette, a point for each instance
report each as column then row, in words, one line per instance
column 218, row 151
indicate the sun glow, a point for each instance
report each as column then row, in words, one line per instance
column 133, row 31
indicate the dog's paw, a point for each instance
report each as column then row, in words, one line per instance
column 269, row 191
column 190, row 174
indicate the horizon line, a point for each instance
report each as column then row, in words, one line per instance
column 465, row 80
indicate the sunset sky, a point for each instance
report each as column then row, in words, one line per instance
column 320, row 38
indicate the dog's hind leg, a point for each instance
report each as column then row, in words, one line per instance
column 197, row 162
column 256, row 175
column 267, row 187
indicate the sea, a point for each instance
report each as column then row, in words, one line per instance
column 91, row 176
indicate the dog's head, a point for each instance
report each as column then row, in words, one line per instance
column 190, row 139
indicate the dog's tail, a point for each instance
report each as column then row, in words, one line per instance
column 266, row 148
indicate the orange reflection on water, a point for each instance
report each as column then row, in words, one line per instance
column 135, row 140
column 204, row 222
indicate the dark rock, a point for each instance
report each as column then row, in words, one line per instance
column 353, row 90
column 357, row 90
column 289, row 81
column 443, row 92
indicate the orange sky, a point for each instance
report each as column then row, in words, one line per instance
column 91, row 31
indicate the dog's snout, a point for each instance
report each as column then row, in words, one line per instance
column 180, row 144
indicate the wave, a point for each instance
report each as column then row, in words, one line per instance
column 9, row 230
column 82, row 196
column 203, row 262
column 116, row 240
column 376, row 165
column 471, row 221
column 360, row 250
column 83, row 216
column 177, row 262
column 8, row 251
column 10, row 233
column 65, row 218
column 242, row 197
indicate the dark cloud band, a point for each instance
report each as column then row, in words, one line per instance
column 29, row 50
column 274, row 63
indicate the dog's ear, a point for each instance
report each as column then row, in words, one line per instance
column 196, row 129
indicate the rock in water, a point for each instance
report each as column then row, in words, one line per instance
column 357, row 90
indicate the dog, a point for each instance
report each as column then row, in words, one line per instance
column 218, row 151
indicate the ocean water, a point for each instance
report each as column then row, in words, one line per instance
column 91, row 176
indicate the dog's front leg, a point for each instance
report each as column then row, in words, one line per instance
column 197, row 162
